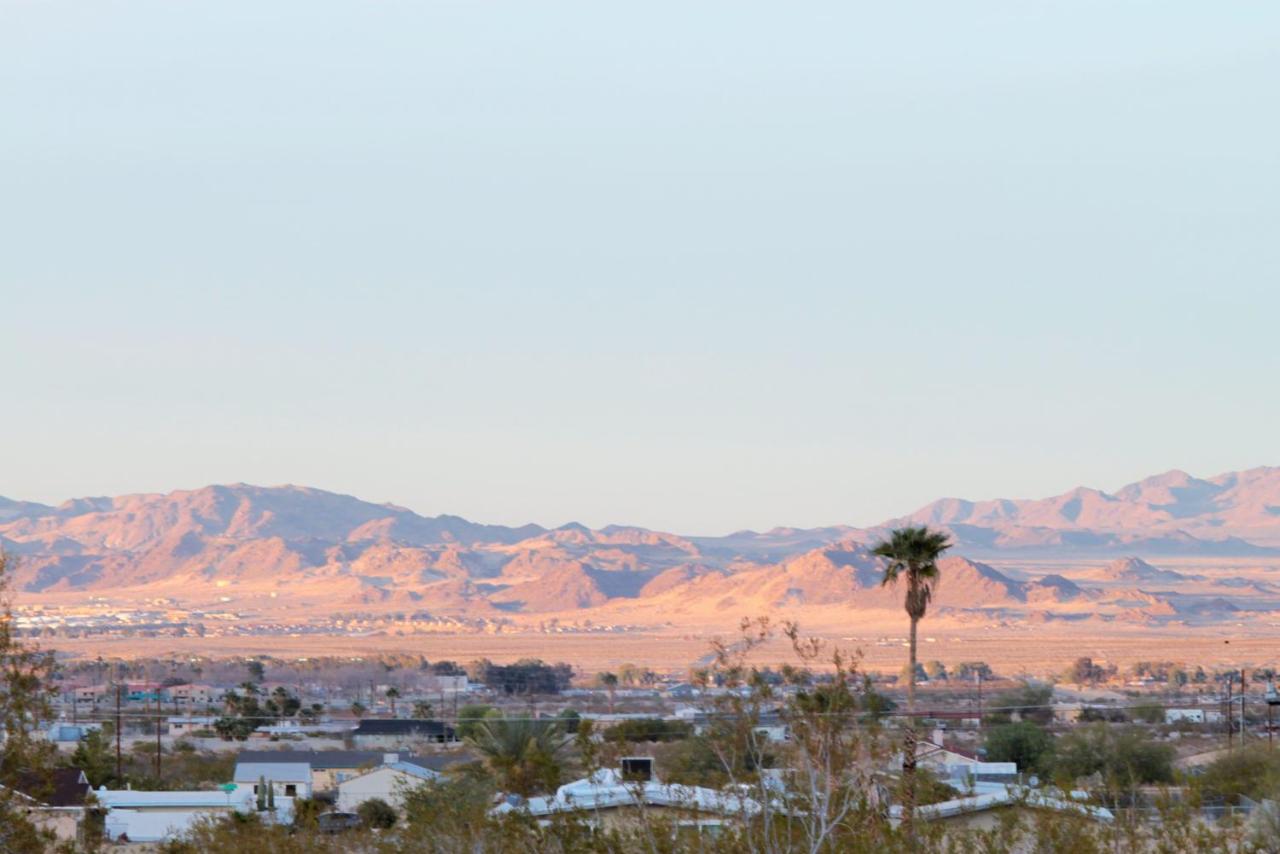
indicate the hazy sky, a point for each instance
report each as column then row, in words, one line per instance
column 698, row 266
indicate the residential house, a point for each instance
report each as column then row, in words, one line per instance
column 953, row 763
column 290, row 777
column 191, row 696
column 54, row 802
column 391, row 734
column 387, row 782
column 142, row 816
column 609, row 798
column 1184, row 715
column 186, row 725
column 328, row 767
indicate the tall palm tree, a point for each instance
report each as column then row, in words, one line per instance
column 392, row 693
column 912, row 554
column 609, row 682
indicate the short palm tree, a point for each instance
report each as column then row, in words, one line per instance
column 912, row 554
column 524, row 754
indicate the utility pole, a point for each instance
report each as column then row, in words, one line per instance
column 1242, row 695
column 119, row 776
column 1230, row 714
column 977, row 675
column 157, row 733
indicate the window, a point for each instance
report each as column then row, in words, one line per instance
column 290, row 790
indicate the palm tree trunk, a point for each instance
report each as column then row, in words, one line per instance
column 909, row 744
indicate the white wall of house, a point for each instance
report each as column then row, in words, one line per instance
column 387, row 783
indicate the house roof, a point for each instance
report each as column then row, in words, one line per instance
column 321, row 759
column 1003, row 796
column 607, row 789
column 139, row 799
column 400, row 726
column 278, row 772
column 61, row 787
column 406, row 768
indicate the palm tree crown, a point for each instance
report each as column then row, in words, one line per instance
column 913, row 552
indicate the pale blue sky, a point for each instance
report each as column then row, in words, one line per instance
column 698, row 266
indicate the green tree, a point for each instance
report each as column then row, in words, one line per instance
column 95, row 756
column 936, row 671
column 26, row 694
column 524, row 755
column 911, row 554
column 1029, row 701
column 469, row 718
column 376, row 813
column 1024, row 743
column 1149, row 712
column 609, row 682
column 421, row 709
column 1124, row 757
column 358, row 709
column 648, row 729
column 393, row 693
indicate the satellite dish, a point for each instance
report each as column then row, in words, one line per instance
column 1034, row 781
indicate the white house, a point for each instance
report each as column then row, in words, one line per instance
column 1191, row 716
column 607, row 794
column 387, row 782
column 290, row 779
column 140, row 816
column 181, row 725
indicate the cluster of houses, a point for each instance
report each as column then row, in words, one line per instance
column 267, row 782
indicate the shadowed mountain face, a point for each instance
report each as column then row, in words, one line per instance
column 279, row 540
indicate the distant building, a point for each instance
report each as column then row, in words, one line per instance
column 185, row 725
column 390, row 734
column 149, row 817
column 290, row 778
column 1186, row 715
column 191, row 695
column 66, row 733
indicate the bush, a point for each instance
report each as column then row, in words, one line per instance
column 1024, row 743
column 648, row 729
column 376, row 813
column 1125, row 757
column 1252, row 773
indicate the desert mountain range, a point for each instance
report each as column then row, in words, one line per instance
column 241, row 542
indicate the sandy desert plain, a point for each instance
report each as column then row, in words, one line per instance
column 1038, row 643
column 1172, row 568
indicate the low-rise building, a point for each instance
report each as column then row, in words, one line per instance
column 143, row 816
column 191, row 695
column 392, row 734
column 290, row 777
column 387, row 782
column 186, row 725
column 609, row 798
column 1184, row 715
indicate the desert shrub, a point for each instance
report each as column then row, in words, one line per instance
column 1252, row 773
column 648, row 729
column 376, row 814
column 1024, row 743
